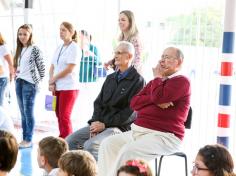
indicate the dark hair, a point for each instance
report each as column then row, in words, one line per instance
column 136, row 167
column 84, row 32
column 2, row 41
column 78, row 163
column 70, row 28
column 133, row 30
column 217, row 159
column 8, row 151
column 52, row 148
column 19, row 46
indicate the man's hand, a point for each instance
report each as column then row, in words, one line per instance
column 165, row 105
column 96, row 127
column 157, row 71
column 93, row 134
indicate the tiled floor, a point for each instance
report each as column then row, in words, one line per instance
column 27, row 163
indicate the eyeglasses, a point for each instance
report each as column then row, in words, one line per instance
column 166, row 57
column 196, row 169
column 120, row 52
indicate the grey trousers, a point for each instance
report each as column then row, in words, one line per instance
column 80, row 139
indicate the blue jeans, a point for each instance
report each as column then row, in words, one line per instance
column 3, row 85
column 25, row 93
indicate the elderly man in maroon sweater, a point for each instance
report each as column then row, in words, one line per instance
column 162, row 108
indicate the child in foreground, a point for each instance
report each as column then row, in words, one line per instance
column 135, row 168
column 49, row 151
column 77, row 163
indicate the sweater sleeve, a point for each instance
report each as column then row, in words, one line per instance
column 143, row 98
column 39, row 62
column 170, row 90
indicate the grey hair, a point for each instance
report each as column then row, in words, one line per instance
column 127, row 46
column 179, row 53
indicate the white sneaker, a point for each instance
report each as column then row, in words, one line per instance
column 25, row 144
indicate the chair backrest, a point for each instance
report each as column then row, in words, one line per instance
column 188, row 122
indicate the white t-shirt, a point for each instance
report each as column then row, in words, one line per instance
column 3, row 52
column 64, row 55
column 52, row 173
column 6, row 122
column 23, row 70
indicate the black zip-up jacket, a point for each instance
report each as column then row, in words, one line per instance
column 112, row 106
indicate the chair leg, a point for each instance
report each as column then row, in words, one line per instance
column 158, row 172
column 159, row 166
column 186, row 165
column 156, row 166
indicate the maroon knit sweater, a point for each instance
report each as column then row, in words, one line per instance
column 149, row 115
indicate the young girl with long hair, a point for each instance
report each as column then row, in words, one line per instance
column 30, row 70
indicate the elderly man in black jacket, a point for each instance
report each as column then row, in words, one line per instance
column 112, row 113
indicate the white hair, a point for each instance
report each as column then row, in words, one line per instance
column 127, row 46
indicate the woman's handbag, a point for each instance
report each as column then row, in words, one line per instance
column 50, row 102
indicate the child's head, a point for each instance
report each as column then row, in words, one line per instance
column 8, row 151
column 77, row 163
column 50, row 150
column 213, row 160
column 134, row 168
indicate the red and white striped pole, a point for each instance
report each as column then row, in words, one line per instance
column 226, row 81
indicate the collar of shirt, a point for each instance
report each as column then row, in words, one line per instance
column 174, row 74
column 121, row 76
column 53, row 172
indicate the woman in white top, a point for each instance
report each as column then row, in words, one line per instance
column 130, row 33
column 64, row 76
column 30, row 70
column 7, row 67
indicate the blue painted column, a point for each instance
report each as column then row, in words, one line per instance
column 226, row 76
